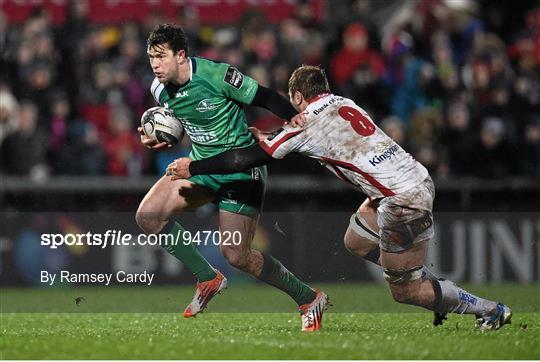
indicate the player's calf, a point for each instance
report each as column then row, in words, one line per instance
column 243, row 258
column 236, row 257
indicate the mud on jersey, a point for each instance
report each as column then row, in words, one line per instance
column 344, row 138
column 209, row 106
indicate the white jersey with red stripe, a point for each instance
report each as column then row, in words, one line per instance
column 344, row 138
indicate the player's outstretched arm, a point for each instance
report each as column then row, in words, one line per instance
column 277, row 104
column 274, row 102
column 236, row 160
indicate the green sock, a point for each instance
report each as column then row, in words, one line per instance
column 188, row 254
column 275, row 274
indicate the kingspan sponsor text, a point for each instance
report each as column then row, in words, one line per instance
column 387, row 154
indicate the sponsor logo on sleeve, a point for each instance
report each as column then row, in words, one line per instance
column 274, row 134
column 234, row 77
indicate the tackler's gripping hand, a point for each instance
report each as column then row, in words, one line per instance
column 179, row 169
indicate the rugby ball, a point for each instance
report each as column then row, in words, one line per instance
column 160, row 124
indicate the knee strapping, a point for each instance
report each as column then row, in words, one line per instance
column 359, row 225
column 402, row 276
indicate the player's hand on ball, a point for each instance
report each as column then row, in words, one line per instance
column 179, row 169
column 299, row 120
column 151, row 143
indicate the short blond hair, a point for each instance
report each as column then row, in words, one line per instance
column 309, row 80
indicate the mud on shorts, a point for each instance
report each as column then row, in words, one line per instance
column 406, row 219
column 239, row 193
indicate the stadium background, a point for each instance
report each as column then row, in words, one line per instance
column 456, row 83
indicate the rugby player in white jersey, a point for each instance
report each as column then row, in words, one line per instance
column 394, row 224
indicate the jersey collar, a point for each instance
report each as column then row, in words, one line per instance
column 317, row 97
column 192, row 68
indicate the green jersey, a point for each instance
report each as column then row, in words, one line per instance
column 209, row 106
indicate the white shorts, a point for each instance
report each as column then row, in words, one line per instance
column 406, row 219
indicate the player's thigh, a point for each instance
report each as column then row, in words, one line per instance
column 239, row 229
column 358, row 238
column 167, row 197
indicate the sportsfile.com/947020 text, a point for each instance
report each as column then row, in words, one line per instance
column 119, row 238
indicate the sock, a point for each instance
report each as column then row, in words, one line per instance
column 449, row 298
column 375, row 255
column 275, row 274
column 188, row 254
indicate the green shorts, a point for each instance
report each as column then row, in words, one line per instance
column 240, row 193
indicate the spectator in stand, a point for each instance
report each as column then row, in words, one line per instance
column 446, row 82
column 411, row 95
column 303, row 12
column 490, row 156
column 355, row 54
column 59, row 122
column 9, row 108
column 526, row 95
column 358, row 71
column 424, row 130
column 68, row 39
column 39, row 89
column 294, row 40
column 23, row 151
column 122, row 145
column 455, row 137
column 96, row 94
column 530, row 150
column 501, row 108
column 84, row 154
column 129, row 70
column 265, row 49
column 526, row 48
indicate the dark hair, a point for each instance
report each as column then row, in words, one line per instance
column 308, row 80
column 168, row 34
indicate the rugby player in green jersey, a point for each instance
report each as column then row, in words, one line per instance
column 207, row 97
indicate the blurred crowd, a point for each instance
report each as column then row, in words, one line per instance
column 456, row 83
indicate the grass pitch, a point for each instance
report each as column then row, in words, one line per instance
column 363, row 324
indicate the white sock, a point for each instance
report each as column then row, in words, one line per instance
column 452, row 299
